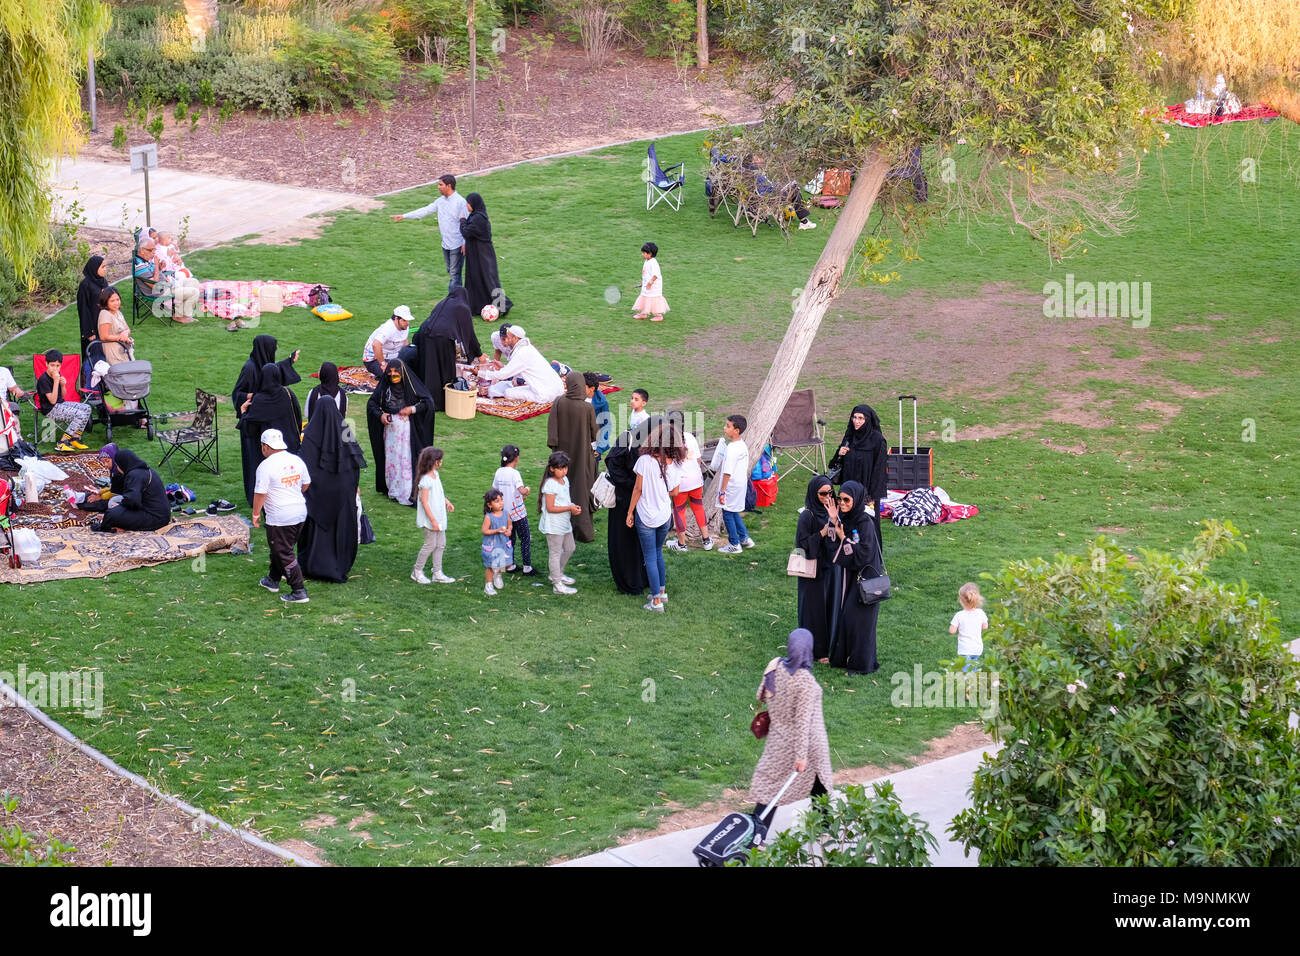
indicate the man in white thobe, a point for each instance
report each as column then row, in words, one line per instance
column 541, row 383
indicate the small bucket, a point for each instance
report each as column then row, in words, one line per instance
column 460, row 404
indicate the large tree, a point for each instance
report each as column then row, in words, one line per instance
column 1038, row 110
column 43, row 48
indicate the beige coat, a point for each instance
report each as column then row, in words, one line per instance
column 798, row 732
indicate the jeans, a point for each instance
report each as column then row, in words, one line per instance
column 522, row 537
column 652, row 552
column 455, row 261
column 375, row 368
column 735, row 526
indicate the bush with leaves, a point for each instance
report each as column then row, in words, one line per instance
column 351, row 61
column 412, row 19
column 19, row 848
column 263, row 84
column 660, row 27
column 55, row 275
column 858, row 830
column 1145, row 708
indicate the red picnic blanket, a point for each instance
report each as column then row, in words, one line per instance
column 1178, row 114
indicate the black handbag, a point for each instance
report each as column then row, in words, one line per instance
column 873, row 590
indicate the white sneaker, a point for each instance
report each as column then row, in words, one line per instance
column 652, row 606
column 564, row 589
column 663, row 596
column 489, row 590
column 749, row 543
column 443, row 578
column 498, row 580
column 419, row 577
column 730, row 549
column 672, row 545
column 565, row 579
column 807, row 224
column 708, row 544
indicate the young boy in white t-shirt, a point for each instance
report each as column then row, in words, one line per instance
column 969, row 624
column 281, row 480
column 733, row 456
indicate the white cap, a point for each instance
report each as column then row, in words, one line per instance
column 517, row 331
column 402, row 312
column 272, row 438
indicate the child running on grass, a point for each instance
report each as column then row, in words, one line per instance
column 651, row 298
column 496, row 540
column 431, row 515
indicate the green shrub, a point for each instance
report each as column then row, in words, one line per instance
column 258, row 84
column 18, row 848
column 661, row 27
column 349, row 62
column 119, row 136
column 433, row 75
column 1146, row 711
column 412, row 19
column 156, row 128
column 56, row 273
column 856, row 831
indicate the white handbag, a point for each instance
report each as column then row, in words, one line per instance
column 798, row 565
column 602, row 491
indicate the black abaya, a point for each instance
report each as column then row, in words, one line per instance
column 482, row 281
column 144, row 505
column 867, row 459
column 250, row 376
column 422, row 420
column 88, row 301
column 626, row 564
column 814, row 601
column 854, row 645
column 435, row 342
column 327, row 547
column 274, row 406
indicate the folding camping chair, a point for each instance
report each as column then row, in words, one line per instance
column 198, row 441
column 714, row 187
column 660, row 185
column 70, row 369
column 801, row 434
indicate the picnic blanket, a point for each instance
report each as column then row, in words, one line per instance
column 518, row 411
column 1178, row 114
column 52, row 511
column 354, row 378
column 950, row 510
column 241, row 299
column 82, row 553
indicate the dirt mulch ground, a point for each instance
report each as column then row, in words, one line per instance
column 525, row 110
column 963, row 738
column 64, row 794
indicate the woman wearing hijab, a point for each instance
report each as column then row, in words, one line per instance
column 625, row 562
column 817, row 536
column 142, row 504
column 571, row 428
column 400, row 417
column 250, row 376
column 445, row 338
column 328, row 388
column 95, row 282
column 862, row 457
column 857, row 554
column 273, row 406
column 481, row 279
column 327, row 546
column 796, row 737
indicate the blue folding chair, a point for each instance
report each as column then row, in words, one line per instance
column 660, row 185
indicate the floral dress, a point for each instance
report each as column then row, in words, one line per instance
column 497, row 552
column 397, row 456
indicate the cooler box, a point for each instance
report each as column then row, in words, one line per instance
column 460, row 404
column 764, row 492
column 271, row 298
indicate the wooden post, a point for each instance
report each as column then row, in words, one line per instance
column 90, row 81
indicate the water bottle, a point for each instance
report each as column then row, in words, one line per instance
column 855, row 536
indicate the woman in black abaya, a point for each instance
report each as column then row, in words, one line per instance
column 817, row 536
column 400, row 418
column 853, row 646
column 328, row 544
column 88, row 292
column 862, row 457
column 446, row 337
column 328, row 388
column 626, row 564
column 481, row 279
column 274, row 406
column 141, row 502
column 250, row 376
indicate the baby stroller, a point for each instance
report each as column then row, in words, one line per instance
column 128, row 381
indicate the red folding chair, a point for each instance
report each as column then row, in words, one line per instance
column 70, row 369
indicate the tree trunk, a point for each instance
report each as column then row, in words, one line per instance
column 817, row 295
column 473, row 85
column 702, row 32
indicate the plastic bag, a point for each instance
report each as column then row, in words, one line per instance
column 26, row 545
column 36, row 474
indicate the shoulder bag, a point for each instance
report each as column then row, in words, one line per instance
column 602, row 491
column 874, row 589
column 798, row 565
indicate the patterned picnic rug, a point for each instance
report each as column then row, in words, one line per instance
column 52, row 511
column 82, row 553
column 354, row 378
column 241, row 299
column 1178, row 114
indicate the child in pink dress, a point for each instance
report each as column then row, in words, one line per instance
column 651, row 299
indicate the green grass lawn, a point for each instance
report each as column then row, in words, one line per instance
column 531, row 726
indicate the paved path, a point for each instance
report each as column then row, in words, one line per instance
column 219, row 209
column 935, row 790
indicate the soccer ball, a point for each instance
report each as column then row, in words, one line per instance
column 490, row 313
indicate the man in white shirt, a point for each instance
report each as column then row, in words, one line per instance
column 386, row 341
column 450, row 208
column 282, row 479
column 540, row 381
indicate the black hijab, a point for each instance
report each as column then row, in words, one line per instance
column 478, row 213
column 329, row 379
column 409, row 390
column 452, row 318
column 250, row 376
column 88, row 299
column 323, row 445
column 263, row 351
column 274, row 406
column 813, row 505
column 860, row 439
column 858, row 513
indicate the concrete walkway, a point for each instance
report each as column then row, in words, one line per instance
column 935, row 790
column 218, row 209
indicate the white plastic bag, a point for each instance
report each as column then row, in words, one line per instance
column 36, row 474
column 26, row 545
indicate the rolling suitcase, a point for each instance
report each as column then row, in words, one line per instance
column 732, row 838
column 909, row 467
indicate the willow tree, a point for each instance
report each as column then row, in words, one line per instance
column 43, row 48
column 1036, row 111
